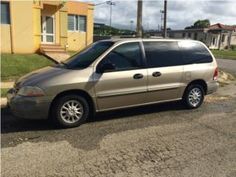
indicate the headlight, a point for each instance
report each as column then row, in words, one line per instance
column 31, row 91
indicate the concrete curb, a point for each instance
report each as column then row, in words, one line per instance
column 7, row 84
column 3, row 102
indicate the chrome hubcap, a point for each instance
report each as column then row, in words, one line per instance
column 195, row 97
column 71, row 111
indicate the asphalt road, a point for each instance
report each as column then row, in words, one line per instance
column 229, row 65
column 158, row 140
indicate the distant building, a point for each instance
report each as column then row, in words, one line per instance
column 99, row 25
column 217, row 36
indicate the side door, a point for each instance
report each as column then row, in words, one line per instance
column 165, row 70
column 124, row 84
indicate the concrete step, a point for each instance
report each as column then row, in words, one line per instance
column 60, row 50
column 57, row 56
column 53, row 48
column 54, row 52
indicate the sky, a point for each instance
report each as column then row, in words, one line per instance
column 181, row 13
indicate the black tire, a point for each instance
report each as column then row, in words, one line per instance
column 57, row 106
column 186, row 98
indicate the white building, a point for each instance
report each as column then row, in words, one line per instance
column 217, row 36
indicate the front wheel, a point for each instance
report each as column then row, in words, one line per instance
column 194, row 96
column 70, row 111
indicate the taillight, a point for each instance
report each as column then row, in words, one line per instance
column 216, row 73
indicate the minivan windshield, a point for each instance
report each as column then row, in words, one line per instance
column 84, row 58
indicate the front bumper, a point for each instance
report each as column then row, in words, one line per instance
column 28, row 107
column 212, row 87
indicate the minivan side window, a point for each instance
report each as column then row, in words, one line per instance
column 125, row 57
column 194, row 52
column 162, row 54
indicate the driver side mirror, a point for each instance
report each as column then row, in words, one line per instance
column 106, row 67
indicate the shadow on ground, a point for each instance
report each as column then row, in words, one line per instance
column 10, row 123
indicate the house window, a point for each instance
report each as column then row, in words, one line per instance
column 223, row 38
column 71, row 23
column 184, row 35
column 189, row 35
column 171, row 35
column 77, row 23
column 82, row 23
column 5, row 14
column 213, row 41
column 195, row 36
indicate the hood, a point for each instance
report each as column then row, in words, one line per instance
column 35, row 77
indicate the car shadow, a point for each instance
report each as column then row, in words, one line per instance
column 140, row 110
column 11, row 124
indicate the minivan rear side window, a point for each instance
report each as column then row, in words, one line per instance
column 163, row 54
column 194, row 52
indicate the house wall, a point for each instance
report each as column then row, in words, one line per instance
column 214, row 42
column 18, row 36
column 22, row 26
column 90, row 24
column 63, row 27
column 37, row 25
column 5, row 38
column 23, row 35
column 233, row 39
column 201, row 36
column 78, row 40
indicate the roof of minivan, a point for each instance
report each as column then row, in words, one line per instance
column 144, row 39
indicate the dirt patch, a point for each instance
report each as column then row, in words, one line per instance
column 213, row 99
column 225, row 78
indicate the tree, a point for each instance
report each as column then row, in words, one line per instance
column 200, row 24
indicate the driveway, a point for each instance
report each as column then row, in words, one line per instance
column 227, row 65
column 158, row 140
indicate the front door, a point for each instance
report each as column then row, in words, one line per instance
column 47, row 30
column 126, row 84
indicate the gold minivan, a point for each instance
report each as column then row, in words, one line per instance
column 114, row 74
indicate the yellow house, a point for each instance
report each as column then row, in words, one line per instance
column 26, row 26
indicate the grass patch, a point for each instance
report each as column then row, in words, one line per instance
column 4, row 92
column 14, row 66
column 225, row 54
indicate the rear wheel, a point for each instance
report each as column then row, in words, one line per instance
column 194, row 96
column 70, row 111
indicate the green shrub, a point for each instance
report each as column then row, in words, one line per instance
column 233, row 47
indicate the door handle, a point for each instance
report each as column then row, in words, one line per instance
column 138, row 76
column 156, row 74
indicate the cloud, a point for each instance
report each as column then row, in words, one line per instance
column 180, row 13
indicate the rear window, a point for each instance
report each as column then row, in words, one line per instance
column 194, row 52
column 162, row 54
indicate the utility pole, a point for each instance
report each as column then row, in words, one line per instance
column 165, row 19
column 111, row 4
column 139, row 18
